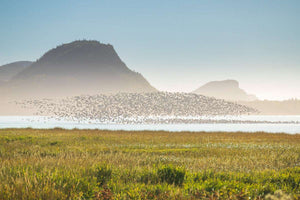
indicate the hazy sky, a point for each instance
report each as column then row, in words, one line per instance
column 178, row 45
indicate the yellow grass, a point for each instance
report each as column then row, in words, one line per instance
column 64, row 164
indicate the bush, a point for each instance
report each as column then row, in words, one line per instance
column 103, row 174
column 149, row 177
column 171, row 175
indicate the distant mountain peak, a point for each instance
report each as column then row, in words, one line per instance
column 82, row 52
column 10, row 70
column 225, row 89
column 75, row 68
column 230, row 83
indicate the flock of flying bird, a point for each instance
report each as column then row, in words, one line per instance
column 125, row 108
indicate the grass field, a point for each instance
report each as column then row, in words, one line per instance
column 94, row 164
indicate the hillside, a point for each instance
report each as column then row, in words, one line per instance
column 227, row 89
column 9, row 70
column 80, row 67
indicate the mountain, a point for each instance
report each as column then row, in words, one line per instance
column 79, row 67
column 9, row 70
column 227, row 89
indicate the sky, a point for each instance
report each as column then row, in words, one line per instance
column 176, row 45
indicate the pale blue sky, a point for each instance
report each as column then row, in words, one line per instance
column 177, row 45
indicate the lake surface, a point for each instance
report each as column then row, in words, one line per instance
column 41, row 122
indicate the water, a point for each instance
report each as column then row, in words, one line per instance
column 45, row 123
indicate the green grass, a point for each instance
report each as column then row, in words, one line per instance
column 94, row 164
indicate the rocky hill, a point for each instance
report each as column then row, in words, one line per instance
column 80, row 67
column 227, row 89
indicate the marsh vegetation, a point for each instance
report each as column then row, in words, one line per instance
column 94, row 164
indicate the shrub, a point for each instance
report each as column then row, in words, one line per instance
column 149, row 177
column 171, row 175
column 103, row 174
